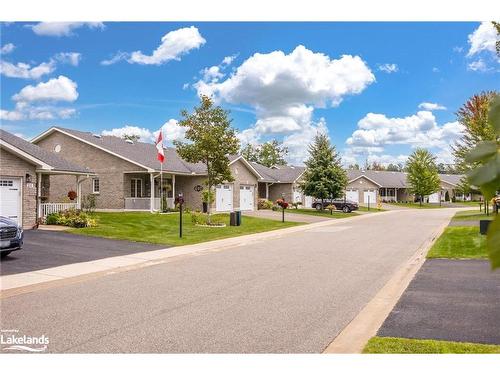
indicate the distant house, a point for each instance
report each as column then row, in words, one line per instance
column 24, row 181
column 127, row 175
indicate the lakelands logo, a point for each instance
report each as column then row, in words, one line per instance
column 11, row 340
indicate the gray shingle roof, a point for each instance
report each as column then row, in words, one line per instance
column 282, row 173
column 47, row 157
column 394, row 179
column 140, row 152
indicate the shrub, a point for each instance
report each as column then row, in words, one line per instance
column 264, row 204
column 275, row 207
column 71, row 218
column 331, row 208
column 296, row 204
column 88, row 203
column 199, row 218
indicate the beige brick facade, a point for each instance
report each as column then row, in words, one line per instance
column 13, row 166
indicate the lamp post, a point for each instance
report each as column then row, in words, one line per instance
column 180, row 201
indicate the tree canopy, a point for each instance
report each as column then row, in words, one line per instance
column 324, row 176
column 269, row 153
column 423, row 178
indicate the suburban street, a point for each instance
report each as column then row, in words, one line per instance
column 290, row 294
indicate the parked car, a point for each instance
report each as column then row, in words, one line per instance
column 340, row 204
column 11, row 236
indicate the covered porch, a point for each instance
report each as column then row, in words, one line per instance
column 149, row 191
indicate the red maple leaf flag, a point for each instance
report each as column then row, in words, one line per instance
column 159, row 147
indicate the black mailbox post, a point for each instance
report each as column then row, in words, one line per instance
column 180, row 201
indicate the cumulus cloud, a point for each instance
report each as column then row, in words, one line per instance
column 388, row 68
column 482, row 39
column 173, row 45
column 285, row 88
column 26, row 71
column 62, row 28
column 171, row 131
column 25, row 111
column 145, row 135
column 56, row 89
column 478, row 66
column 7, row 48
column 431, row 106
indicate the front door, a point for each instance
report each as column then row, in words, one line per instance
column 224, row 198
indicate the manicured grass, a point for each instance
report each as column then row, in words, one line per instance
column 164, row 229
column 417, row 205
column 469, row 204
column 393, row 345
column 459, row 242
column 472, row 215
column 325, row 213
column 372, row 209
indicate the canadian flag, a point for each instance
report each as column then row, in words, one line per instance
column 159, row 147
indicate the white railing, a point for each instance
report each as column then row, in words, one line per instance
column 50, row 208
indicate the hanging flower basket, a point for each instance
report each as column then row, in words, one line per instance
column 72, row 195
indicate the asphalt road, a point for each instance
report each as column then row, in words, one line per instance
column 45, row 249
column 456, row 300
column 292, row 294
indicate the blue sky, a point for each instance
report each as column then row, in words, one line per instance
column 362, row 83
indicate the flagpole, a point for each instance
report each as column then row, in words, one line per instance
column 161, row 186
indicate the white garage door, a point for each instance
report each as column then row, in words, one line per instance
column 246, row 198
column 352, row 195
column 308, row 201
column 10, row 198
column 297, row 196
column 224, row 198
column 370, row 196
column 434, row 198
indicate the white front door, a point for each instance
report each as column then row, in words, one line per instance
column 224, row 198
column 370, row 196
column 10, row 198
column 246, row 198
column 434, row 198
column 352, row 195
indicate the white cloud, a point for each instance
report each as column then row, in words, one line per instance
column 388, row 68
column 172, row 131
column 11, row 115
column 228, row 60
column 56, row 89
column 62, row 28
column 478, row 66
column 482, row 39
column 25, row 111
column 145, row 135
column 284, row 89
column 435, row 70
column 458, row 49
column 173, row 45
column 26, row 71
column 420, row 129
column 431, row 106
column 7, row 48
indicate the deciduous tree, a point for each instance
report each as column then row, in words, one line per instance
column 423, row 178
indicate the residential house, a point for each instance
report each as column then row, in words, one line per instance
column 25, row 172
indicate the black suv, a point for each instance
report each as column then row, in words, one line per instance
column 340, row 204
column 11, row 236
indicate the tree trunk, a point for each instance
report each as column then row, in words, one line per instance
column 421, row 199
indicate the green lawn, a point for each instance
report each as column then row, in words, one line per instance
column 417, row 205
column 472, row 215
column 459, row 242
column 392, row 345
column 372, row 209
column 164, row 229
column 314, row 212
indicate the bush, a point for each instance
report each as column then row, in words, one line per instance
column 88, row 203
column 296, row 204
column 264, row 204
column 331, row 208
column 275, row 207
column 199, row 218
column 71, row 218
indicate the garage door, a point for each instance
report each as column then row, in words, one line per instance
column 10, row 198
column 308, row 201
column 246, row 198
column 297, row 196
column 434, row 198
column 224, row 198
column 370, row 196
column 352, row 195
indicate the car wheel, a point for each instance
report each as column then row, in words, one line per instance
column 346, row 209
column 4, row 254
column 318, row 206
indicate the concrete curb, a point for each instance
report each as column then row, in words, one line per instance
column 366, row 324
column 30, row 281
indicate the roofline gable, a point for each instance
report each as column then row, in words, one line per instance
column 247, row 163
column 363, row 175
column 53, row 129
column 24, row 155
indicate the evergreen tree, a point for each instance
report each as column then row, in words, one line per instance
column 423, row 178
column 211, row 139
column 324, row 176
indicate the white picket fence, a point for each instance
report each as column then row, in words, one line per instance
column 49, row 208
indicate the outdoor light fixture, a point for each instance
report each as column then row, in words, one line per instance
column 28, row 178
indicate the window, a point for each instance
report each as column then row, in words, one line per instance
column 96, row 188
column 136, row 188
column 6, row 183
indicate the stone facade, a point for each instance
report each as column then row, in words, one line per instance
column 13, row 166
column 108, row 169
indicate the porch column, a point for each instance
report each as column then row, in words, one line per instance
column 39, row 195
column 267, row 190
column 396, row 194
column 152, row 188
column 173, row 186
column 78, row 193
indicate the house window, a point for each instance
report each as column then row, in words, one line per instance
column 136, row 188
column 96, row 188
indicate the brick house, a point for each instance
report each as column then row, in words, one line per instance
column 25, row 171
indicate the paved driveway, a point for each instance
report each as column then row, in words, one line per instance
column 456, row 300
column 45, row 249
column 287, row 294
